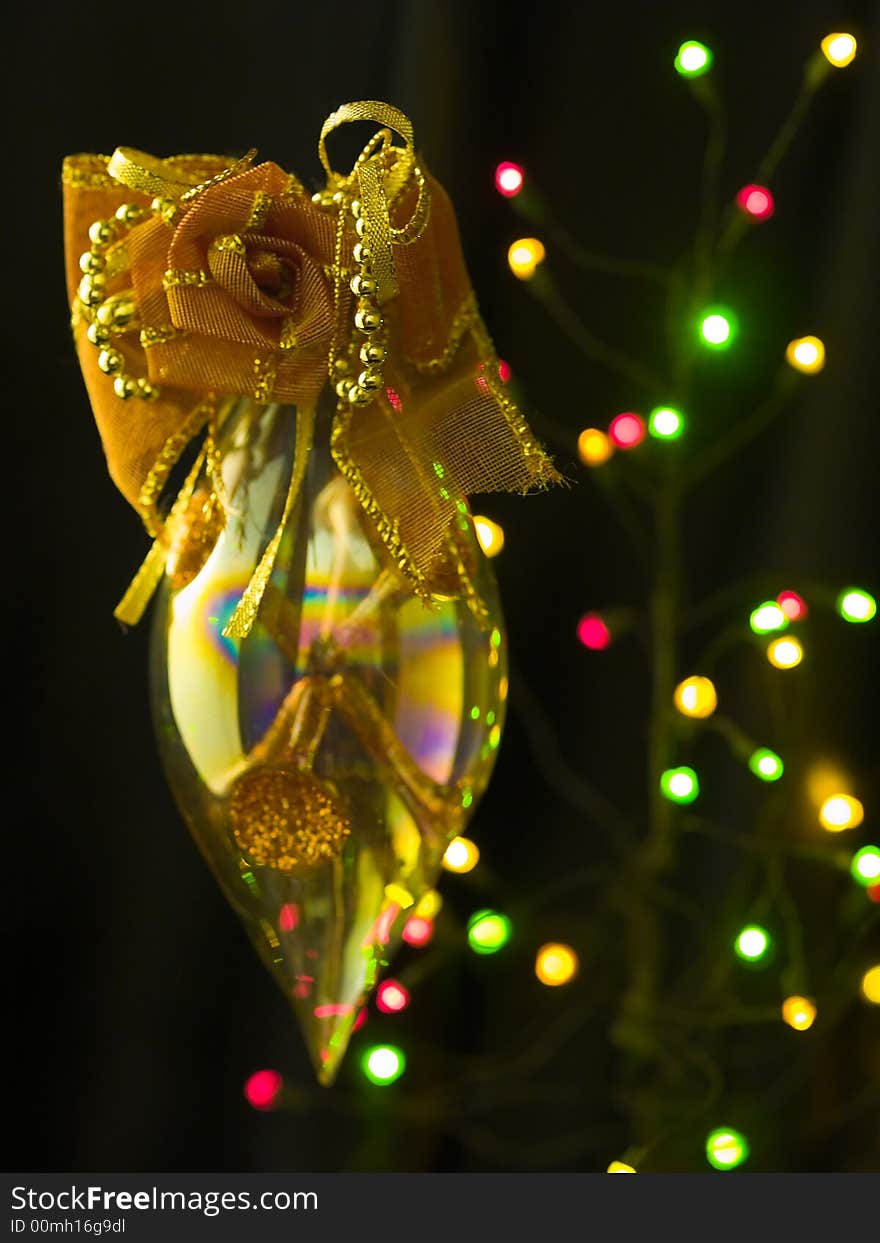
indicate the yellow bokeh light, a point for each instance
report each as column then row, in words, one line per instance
column 594, row 447
column 696, row 697
column 841, row 811
column 619, row 1167
column 397, row 893
column 799, row 1013
column 871, row 985
column 785, row 653
column 524, row 256
column 489, row 534
column 823, row 780
column 462, row 855
column 429, row 906
column 556, row 964
column 806, row 354
column 839, row 49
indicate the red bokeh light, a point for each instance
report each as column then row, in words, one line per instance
column 793, row 606
column 756, row 201
column 333, row 1010
column 418, row 931
column 391, row 997
column 627, row 430
column 288, row 917
column 593, row 632
column 504, row 371
column 360, row 1020
column 509, row 179
column 873, row 892
column 262, row 1089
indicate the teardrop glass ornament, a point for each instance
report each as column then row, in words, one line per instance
column 324, row 762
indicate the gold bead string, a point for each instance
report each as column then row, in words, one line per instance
column 368, row 320
column 117, row 314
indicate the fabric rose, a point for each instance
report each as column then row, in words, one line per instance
column 243, row 303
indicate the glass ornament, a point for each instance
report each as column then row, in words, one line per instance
column 324, row 762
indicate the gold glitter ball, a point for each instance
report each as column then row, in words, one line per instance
column 286, row 819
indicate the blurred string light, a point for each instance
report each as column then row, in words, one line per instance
column 806, row 354
column 627, row 430
column 793, row 606
column 726, row 1148
column 523, row 257
column 756, row 201
column 799, row 1013
column 392, row 997
column 841, row 811
column 839, row 49
column 873, row 892
column 871, row 985
column 461, row 855
column 696, row 697
column 752, row 943
column 766, row 764
column 263, row 1088
column 593, row 632
column 718, row 328
column 666, row 423
column 693, row 59
column 509, row 179
column 594, row 447
column 418, row 931
column 854, row 604
column 488, row 931
column 865, row 865
column 785, row 653
column 383, row 1063
column 767, row 617
column 619, row 1167
column 489, row 534
column 556, row 964
column 679, row 785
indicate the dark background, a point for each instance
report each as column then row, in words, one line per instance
column 138, row 1006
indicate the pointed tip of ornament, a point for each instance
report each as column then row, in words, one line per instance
column 327, row 1074
column 327, row 1030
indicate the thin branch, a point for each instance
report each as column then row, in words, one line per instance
column 571, row 787
column 742, row 433
column 614, row 360
column 532, row 206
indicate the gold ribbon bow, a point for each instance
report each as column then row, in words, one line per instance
column 194, row 280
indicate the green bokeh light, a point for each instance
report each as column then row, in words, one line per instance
column 488, row 931
column 767, row 617
column 693, row 59
column 726, row 1148
column 718, row 328
column 865, row 865
column 679, row 785
column 766, row 764
column 752, row 943
column 854, row 604
column 383, row 1063
column 666, row 423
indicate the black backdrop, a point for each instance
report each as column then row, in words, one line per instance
column 137, row 1005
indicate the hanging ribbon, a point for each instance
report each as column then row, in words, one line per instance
column 194, row 280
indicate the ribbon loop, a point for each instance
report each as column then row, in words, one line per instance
column 180, row 178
